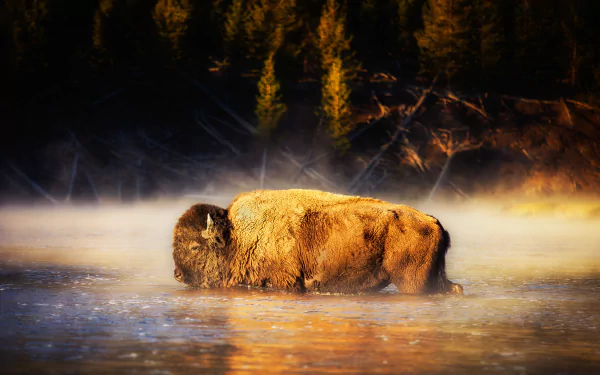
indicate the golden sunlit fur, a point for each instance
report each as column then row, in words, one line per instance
column 314, row 241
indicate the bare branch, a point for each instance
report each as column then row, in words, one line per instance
column 567, row 112
column 164, row 148
column 527, row 100
column 232, row 127
column 305, row 163
column 450, row 147
column 452, row 96
column 33, row 184
column 92, row 184
column 246, row 125
column 583, row 105
column 310, row 171
column 73, row 175
column 440, row 177
column 216, row 135
column 263, row 170
column 458, row 190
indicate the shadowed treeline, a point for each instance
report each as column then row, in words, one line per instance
column 128, row 99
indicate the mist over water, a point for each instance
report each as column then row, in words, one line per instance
column 91, row 289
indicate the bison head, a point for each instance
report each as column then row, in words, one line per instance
column 199, row 245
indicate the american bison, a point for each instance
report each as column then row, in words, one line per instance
column 308, row 240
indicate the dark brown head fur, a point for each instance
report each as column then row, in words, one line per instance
column 198, row 255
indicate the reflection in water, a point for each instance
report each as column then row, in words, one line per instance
column 92, row 291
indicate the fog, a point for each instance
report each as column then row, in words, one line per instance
column 138, row 235
column 91, row 289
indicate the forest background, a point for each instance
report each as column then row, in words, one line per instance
column 132, row 99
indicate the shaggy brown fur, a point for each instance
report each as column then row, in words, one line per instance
column 311, row 241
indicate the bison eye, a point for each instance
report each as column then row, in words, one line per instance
column 194, row 246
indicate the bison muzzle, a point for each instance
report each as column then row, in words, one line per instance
column 309, row 240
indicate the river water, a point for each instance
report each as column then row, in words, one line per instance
column 90, row 290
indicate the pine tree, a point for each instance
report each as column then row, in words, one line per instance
column 409, row 20
column 578, row 25
column 334, row 46
column 30, row 32
column 233, row 25
column 125, row 33
column 335, row 104
column 450, row 39
column 255, row 26
column 493, row 45
column 265, row 25
column 285, row 19
column 539, row 37
column 332, row 42
column 585, row 54
column 409, row 16
column 172, row 18
column 203, row 41
column 436, row 40
column 269, row 107
column 100, row 36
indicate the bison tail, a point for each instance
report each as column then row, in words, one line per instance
column 438, row 282
column 446, row 243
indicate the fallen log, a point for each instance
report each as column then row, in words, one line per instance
column 450, row 95
column 400, row 129
column 567, row 112
column 583, row 105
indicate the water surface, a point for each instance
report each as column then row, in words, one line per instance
column 90, row 290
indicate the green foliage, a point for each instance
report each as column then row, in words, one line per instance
column 335, row 104
column 409, row 16
column 332, row 42
column 100, row 36
column 255, row 25
column 233, row 24
column 492, row 39
column 125, row 33
column 172, row 18
column 409, row 20
column 527, row 47
column 437, row 38
column 283, row 18
column 450, row 40
column 266, row 23
column 269, row 107
column 29, row 33
column 334, row 46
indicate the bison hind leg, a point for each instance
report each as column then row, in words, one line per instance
column 455, row 288
column 408, row 285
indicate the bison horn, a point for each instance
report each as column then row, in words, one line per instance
column 209, row 223
column 209, row 227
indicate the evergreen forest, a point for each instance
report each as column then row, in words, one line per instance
column 129, row 99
